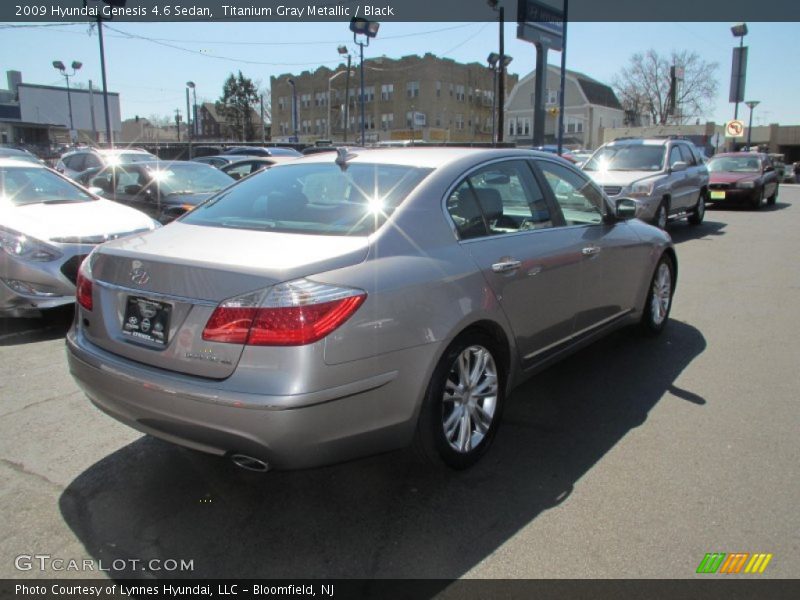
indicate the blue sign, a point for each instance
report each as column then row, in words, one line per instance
column 540, row 23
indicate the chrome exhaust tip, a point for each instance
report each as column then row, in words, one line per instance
column 249, row 463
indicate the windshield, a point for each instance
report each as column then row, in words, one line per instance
column 188, row 178
column 31, row 185
column 318, row 198
column 740, row 164
column 627, row 158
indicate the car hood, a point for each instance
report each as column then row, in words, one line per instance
column 74, row 222
column 729, row 177
column 620, row 178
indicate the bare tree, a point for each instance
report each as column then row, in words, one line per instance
column 643, row 87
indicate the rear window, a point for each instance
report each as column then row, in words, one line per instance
column 317, row 198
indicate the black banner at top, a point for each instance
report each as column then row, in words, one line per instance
column 299, row 11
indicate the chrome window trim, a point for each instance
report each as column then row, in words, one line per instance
column 155, row 295
column 576, row 334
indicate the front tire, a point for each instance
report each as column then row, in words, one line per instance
column 772, row 199
column 758, row 200
column 463, row 403
column 659, row 298
column 662, row 215
column 699, row 212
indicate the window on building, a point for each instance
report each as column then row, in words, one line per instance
column 512, row 126
column 320, row 99
column 412, row 89
column 282, row 103
column 369, row 93
column 387, row 91
column 438, row 89
column 526, row 127
column 305, row 100
column 387, row 121
column 452, row 88
column 460, row 93
column 459, row 121
column 439, row 119
column 552, row 96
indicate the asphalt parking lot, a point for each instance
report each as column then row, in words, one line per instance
column 632, row 458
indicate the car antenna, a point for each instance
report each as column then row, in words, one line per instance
column 342, row 156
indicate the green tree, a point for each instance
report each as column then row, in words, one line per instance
column 239, row 97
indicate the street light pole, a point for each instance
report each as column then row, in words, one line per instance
column 330, row 93
column 189, row 123
column 366, row 29
column 492, row 59
column 501, row 76
column 752, row 104
column 294, row 111
column 76, row 65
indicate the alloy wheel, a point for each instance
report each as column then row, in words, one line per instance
column 662, row 294
column 470, row 399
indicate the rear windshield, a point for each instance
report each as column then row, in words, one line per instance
column 33, row 185
column 317, row 198
column 189, row 178
column 633, row 157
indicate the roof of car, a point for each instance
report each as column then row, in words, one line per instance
column 751, row 154
column 9, row 161
column 107, row 151
column 640, row 141
column 428, row 157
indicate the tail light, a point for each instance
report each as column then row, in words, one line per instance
column 83, row 287
column 291, row 314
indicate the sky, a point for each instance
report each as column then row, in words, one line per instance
column 149, row 63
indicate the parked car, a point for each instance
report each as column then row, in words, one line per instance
column 261, row 151
column 48, row 225
column 338, row 306
column 252, row 164
column 553, row 149
column 24, row 155
column 743, row 178
column 74, row 162
column 666, row 177
column 790, row 176
column 218, row 160
column 163, row 190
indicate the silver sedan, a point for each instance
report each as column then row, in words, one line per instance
column 352, row 303
column 48, row 225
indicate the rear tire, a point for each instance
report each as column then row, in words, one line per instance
column 659, row 298
column 463, row 404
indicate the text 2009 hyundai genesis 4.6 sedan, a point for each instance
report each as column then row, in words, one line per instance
column 356, row 302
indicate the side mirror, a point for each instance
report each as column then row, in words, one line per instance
column 625, row 209
column 97, row 191
column 679, row 166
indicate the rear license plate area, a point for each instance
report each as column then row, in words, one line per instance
column 147, row 320
column 718, row 194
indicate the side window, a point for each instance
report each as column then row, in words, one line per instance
column 688, row 156
column 674, row 156
column 498, row 199
column 239, row 171
column 75, row 162
column 580, row 201
column 126, row 179
column 92, row 161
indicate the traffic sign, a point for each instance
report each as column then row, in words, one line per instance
column 734, row 129
column 540, row 23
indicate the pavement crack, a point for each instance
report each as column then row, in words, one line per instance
column 20, row 468
column 44, row 401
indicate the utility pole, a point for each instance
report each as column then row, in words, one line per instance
column 263, row 127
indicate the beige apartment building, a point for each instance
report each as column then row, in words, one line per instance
column 421, row 98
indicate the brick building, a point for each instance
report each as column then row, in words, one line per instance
column 422, row 98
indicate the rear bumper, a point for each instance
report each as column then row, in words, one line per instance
column 304, row 430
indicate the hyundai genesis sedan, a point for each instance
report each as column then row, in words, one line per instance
column 355, row 302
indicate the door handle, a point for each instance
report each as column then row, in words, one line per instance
column 506, row 266
column 591, row 250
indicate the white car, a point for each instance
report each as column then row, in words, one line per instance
column 74, row 162
column 48, row 225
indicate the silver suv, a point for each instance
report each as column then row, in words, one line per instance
column 77, row 161
column 665, row 177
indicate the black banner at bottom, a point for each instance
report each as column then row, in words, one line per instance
column 712, row 588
